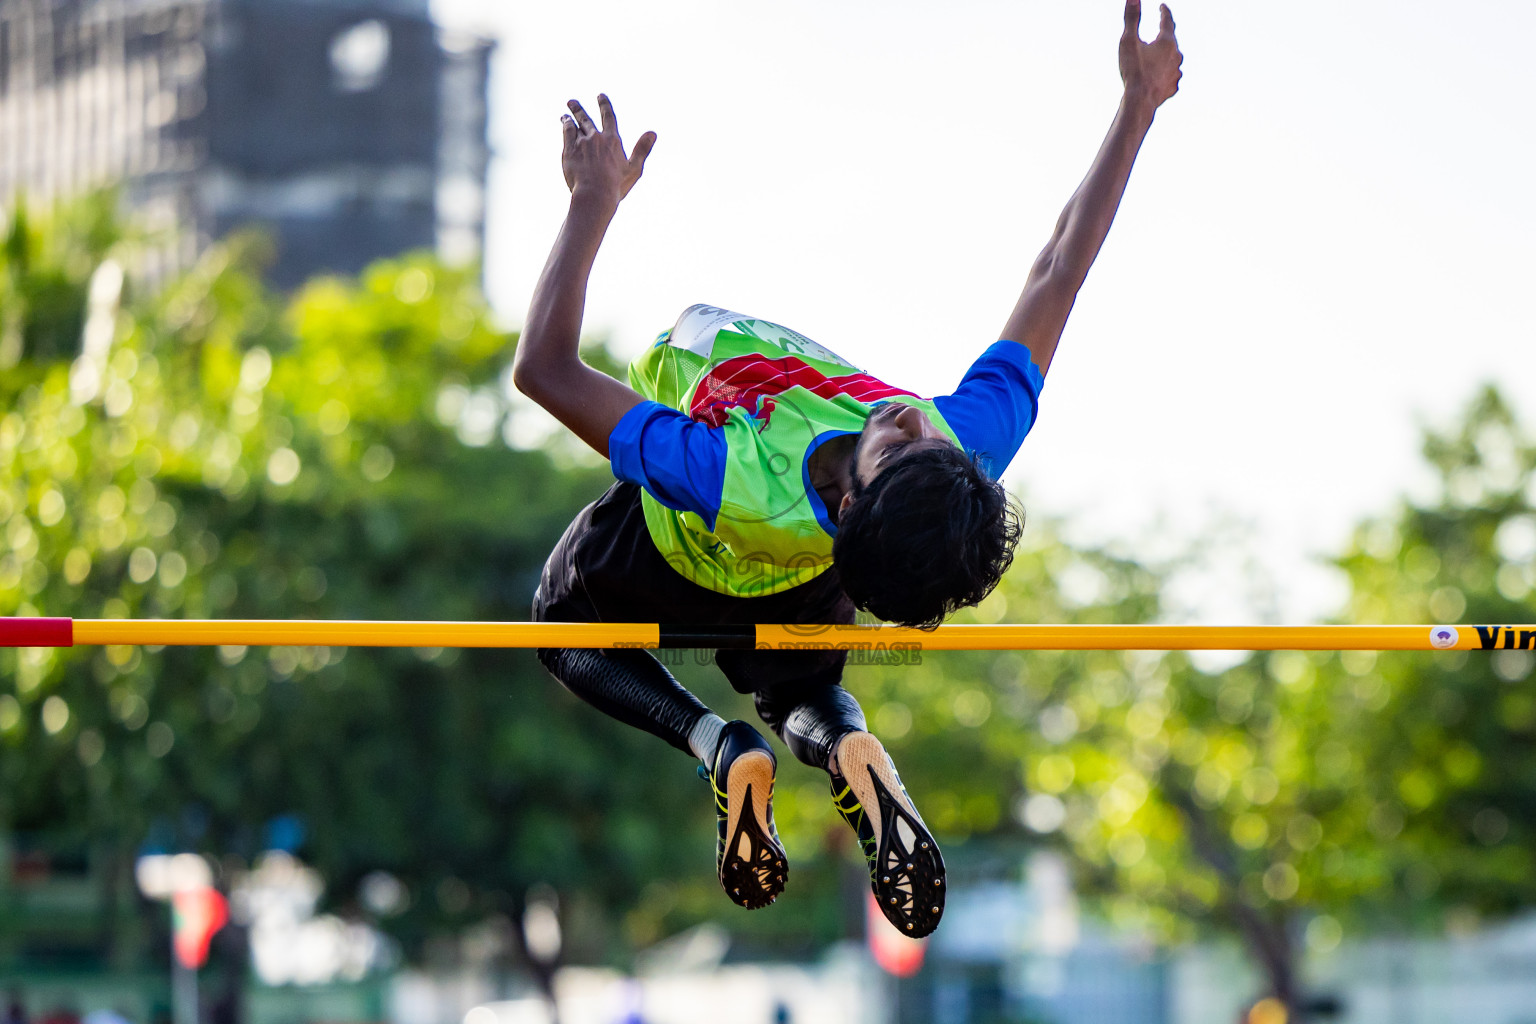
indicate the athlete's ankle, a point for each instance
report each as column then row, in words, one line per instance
column 704, row 737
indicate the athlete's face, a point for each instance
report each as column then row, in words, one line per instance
column 892, row 430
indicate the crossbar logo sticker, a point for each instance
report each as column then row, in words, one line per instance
column 1443, row 637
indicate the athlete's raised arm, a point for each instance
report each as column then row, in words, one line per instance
column 547, row 367
column 1151, row 75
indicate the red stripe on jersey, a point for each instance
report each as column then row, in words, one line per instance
column 750, row 381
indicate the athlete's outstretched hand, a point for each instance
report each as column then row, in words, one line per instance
column 1150, row 70
column 593, row 158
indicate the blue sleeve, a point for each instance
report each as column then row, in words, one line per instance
column 680, row 462
column 995, row 404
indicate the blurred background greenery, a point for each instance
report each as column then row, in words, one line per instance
column 210, row 448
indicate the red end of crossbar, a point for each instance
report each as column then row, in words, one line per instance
column 37, row 632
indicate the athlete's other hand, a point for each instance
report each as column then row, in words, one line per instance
column 593, row 159
column 1150, row 71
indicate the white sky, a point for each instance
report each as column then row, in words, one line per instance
column 1327, row 241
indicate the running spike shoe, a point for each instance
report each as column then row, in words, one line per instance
column 906, row 870
column 749, row 859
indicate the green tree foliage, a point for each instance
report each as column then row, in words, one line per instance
column 1452, row 782
column 336, row 455
column 45, row 263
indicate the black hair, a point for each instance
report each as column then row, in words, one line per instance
column 930, row 534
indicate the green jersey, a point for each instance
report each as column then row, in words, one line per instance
column 774, row 397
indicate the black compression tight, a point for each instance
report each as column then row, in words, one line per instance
column 813, row 725
column 635, row 688
column 631, row 686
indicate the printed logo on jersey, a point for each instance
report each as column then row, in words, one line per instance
column 751, row 382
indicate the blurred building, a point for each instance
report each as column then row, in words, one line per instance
column 350, row 129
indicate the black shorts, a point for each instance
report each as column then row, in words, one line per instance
column 606, row 569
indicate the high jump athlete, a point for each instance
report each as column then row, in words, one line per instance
column 762, row 479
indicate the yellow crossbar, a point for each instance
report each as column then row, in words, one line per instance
column 61, row 632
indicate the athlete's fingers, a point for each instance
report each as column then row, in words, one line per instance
column 569, row 130
column 1165, row 24
column 583, row 119
column 1133, row 18
column 641, row 151
column 605, row 108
